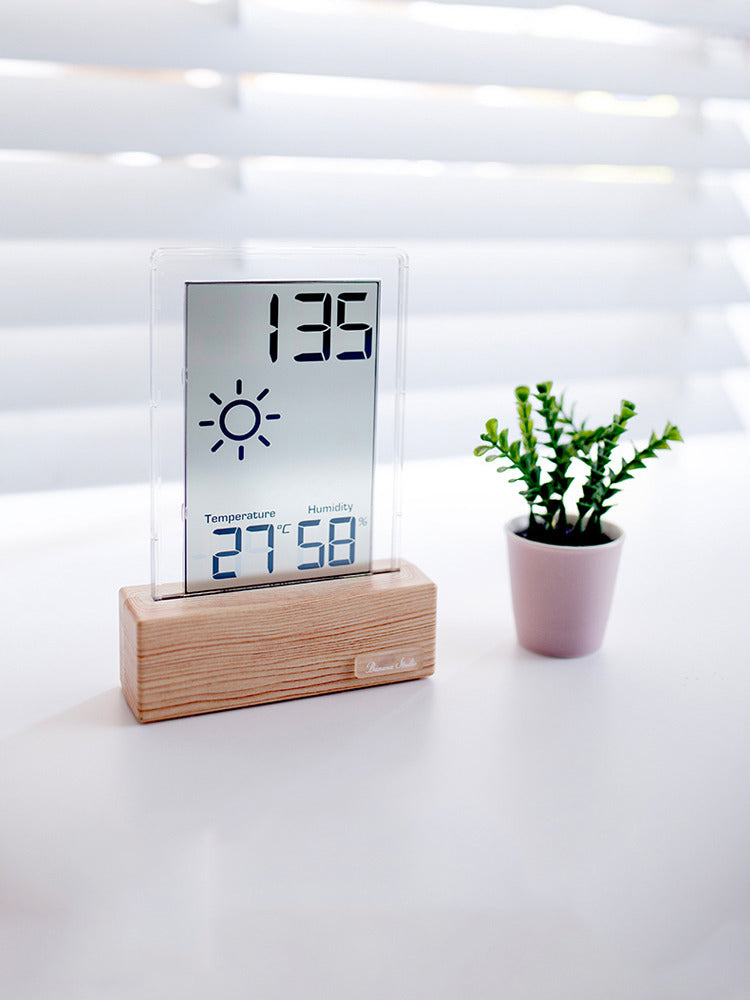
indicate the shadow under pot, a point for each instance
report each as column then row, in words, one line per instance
column 562, row 594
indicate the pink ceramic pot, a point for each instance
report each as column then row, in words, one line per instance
column 561, row 593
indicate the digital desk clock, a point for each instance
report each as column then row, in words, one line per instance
column 277, row 384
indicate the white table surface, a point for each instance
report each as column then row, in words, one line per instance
column 515, row 827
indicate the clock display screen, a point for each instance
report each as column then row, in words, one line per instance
column 279, row 430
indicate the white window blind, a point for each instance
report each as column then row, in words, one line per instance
column 569, row 183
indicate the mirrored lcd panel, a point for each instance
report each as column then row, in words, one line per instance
column 280, row 394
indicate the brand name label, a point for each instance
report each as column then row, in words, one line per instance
column 390, row 662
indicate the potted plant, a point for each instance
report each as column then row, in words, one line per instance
column 563, row 557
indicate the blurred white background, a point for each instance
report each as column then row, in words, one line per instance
column 570, row 183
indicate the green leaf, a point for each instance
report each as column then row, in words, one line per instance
column 672, row 433
column 481, row 449
column 522, row 393
column 491, row 426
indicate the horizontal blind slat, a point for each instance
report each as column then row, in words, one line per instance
column 57, row 449
column 564, row 275
column 102, row 115
column 370, row 41
column 406, row 48
column 70, row 367
column 445, row 349
column 444, row 131
column 93, row 282
column 468, row 202
column 720, row 16
column 449, row 423
column 98, row 199
column 153, row 33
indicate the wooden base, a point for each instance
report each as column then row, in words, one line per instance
column 188, row 655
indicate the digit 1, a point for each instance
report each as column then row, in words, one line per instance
column 229, row 574
column 302, row 544
column 341, row 324
column 268, row 528
column 324, row 327
column 347, row 559
column 273, row 337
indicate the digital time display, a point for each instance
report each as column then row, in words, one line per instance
column 280, row 393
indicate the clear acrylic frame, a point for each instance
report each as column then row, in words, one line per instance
column 173, row 270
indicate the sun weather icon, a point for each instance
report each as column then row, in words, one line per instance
column 239, row 420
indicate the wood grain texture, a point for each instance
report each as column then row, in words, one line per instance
column 205, row 653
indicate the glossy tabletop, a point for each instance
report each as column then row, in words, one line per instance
column 513, row 827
